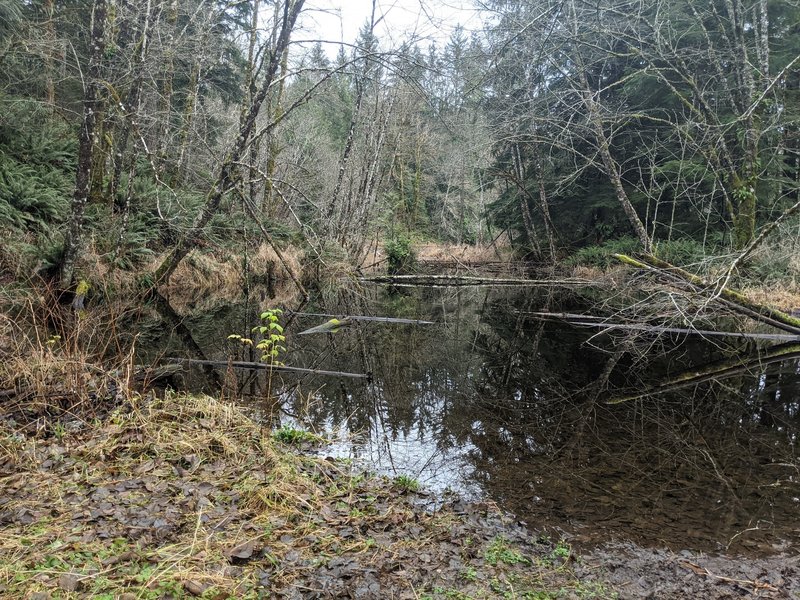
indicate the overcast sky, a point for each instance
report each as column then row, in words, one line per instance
column 425, row 20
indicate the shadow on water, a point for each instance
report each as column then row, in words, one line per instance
column 493, row 402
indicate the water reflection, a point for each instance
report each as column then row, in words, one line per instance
column 492, row 401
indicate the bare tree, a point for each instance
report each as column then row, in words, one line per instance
column 226, row 177
column 74, row 241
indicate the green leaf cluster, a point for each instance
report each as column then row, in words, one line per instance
column 399, row 253
column 271, row 344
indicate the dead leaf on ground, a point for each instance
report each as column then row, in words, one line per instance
column 242, row 552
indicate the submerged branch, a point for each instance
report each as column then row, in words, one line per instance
column 463, row 280
column 561, row 315
column 715, row 371
column 364, row 318
column 238, row 364
column 776, row 337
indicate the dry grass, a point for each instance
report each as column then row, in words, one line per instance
column 466, row 254
column 783, row 288
column 48, row 354
column 784, row 296
column 189, row 441
column 203, row 281
column 207, row 271
column 212, row 272
column 264, row 260
column 610, row 277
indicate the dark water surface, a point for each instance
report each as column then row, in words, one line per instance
column 494, row 403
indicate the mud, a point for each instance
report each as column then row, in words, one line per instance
column 635, row 572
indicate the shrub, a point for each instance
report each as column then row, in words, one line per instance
column 400, row 254
column 602, row 255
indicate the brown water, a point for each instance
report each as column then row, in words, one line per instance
column 493, row 403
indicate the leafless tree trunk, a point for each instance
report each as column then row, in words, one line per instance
column 595, row 118
column 227, row 173
column 73, row 243
column 131, row 114
column 131, row 105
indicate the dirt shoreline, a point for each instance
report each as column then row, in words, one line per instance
column 186, row 496
column 635, row 572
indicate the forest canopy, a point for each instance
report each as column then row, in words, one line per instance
column 139, row 130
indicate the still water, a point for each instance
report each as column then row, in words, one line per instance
column 494, row 403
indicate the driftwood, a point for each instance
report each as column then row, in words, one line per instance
column 238, row 364
column 363, row 318
column 458, row 280
column 775, row 337
column 717, row 370
column 731, row 298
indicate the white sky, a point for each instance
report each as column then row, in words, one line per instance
column 425, row 20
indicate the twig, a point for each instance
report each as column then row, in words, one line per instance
column 698, row 570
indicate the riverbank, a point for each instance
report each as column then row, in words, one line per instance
column 186, row 495
column 104, row 493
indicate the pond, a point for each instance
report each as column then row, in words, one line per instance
column 493, row 402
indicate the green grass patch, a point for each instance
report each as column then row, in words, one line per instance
column 406, row 483
column 499, row 551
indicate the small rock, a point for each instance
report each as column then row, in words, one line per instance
column 68, row 582
column 195, row 587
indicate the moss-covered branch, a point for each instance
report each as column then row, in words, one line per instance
column 715, row 371
column 730, row 297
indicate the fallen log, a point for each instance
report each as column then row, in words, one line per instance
column 239, row 364
column 717, row 370
column 733, row 299
column 461, row 280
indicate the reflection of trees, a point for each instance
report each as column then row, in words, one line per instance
column 521, row 397
column 419, row 371
column 707, row 463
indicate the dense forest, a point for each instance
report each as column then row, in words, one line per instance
column 133, row 132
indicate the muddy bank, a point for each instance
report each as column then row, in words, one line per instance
column 187, row 496
column 635, row 572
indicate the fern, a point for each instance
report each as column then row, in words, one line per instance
column 26, row 199
column 37, row 165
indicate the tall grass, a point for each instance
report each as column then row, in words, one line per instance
column 56, row 362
